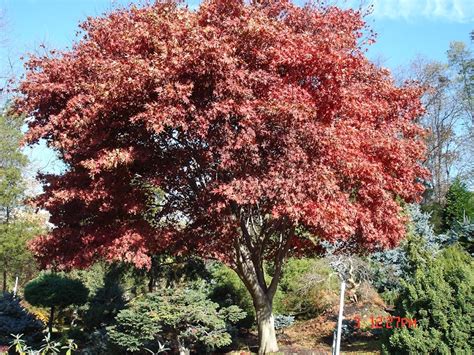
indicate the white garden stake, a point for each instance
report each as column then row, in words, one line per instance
column 16, row 287
column 339, row 319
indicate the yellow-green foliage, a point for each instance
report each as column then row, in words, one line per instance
column 308, row 287
column 228, row 290
column 40, row 313
column 438, row 294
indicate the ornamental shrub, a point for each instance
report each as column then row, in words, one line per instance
column 180, row 318
column 104, row 306
column 227, row 289
column 462, row 233
column 15, row 319
column 106, row 302
column 389, row 267
column 308, row 287
column 55, row 291
column 438, row 294
column 282, row 321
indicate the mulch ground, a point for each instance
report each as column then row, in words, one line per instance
column 315, row 336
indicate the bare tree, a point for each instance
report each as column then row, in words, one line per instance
column 445, row 119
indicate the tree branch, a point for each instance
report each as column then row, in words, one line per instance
column 282, row 252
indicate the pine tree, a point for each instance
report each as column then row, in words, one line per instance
column 459, row 205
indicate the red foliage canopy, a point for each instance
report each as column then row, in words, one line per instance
column 179, row 128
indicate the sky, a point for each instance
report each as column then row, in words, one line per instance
column 405, row 28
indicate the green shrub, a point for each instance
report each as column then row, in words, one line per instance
column 463, row 233
column 179, row 318
column 389, row 296
column 435, row 211
column 107, row 301
column 227, row 289
column 55, row 291
column 306, row 288
column 104, row 306
column 438, row 294
column 94, row 276
column 459, row 205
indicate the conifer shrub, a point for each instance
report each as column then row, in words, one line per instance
column 180, row 318
column 438, row 294
column 55, row 291
column 15, row 319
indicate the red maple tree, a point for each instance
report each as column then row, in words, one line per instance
column 243, row 132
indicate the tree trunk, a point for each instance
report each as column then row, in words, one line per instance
column 50, row 321
column 266, row 329
column 151, row 282
column 251, row 272
column 251, row 248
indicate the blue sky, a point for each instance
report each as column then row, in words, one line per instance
column 406, row 28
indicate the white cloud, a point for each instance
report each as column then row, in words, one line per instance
column 450, row 10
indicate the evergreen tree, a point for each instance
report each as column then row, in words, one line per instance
column 390, row 266
column 459, row 205
column 106, row 302
column 17, row 225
